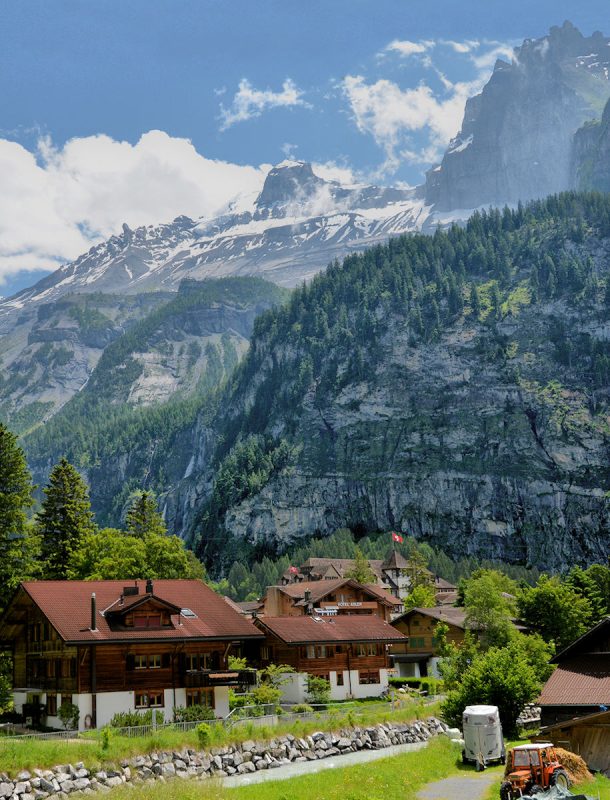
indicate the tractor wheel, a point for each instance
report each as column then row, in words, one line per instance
column 560, row 778
column 506, row 791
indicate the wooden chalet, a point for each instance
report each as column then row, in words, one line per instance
column 350, row 651
column 111, row 646
column 417, row 656
column 581, row 683
column 329, row 598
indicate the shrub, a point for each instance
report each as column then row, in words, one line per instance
column 318, row 689
column 192, row 713
column 131, row 719
column 106, row 735
column 204, row 734
column 69, row 715
column 302, row 708
column 431, row 685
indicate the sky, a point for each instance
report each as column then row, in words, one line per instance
column 137, row 111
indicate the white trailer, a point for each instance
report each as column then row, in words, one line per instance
column 483, row 740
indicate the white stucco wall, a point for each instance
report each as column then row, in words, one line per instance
column 369, row 689
column 19, row 698
column 295, row 688
column 339, row 692
column 221, row 701
column 111, row 703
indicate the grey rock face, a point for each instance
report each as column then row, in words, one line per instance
column 516, row 137
column 591, row 155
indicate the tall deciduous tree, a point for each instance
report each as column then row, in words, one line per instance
column 65, row 518
column 16, row 542
column 144, row 518
column 555, row 611
column 361, row 570
column 489, row 607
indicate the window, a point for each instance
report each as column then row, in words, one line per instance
column 339, row 679
column 139, row 662
column 369, row 676
column 155, row 699
column 141, row 700
column 51, row 705
column 359, row 650
column 417, row 642
column 310, row 651
column 265, row 655
column 200, row 697
column 154, row 662
column 147, row 620
column 192, row 661
column 66, row 699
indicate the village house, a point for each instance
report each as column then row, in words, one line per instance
column 350, row 651
column 113, row 646
column 581, row 683
column 417, row 656
column 391, row 573
column 339, row 596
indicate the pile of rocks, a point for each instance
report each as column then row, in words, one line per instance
column 530, row 715
column 249, row 756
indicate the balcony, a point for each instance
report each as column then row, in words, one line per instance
column 64, row 685
column 208, row 678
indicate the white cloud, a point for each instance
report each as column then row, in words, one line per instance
column 485, row 61
column 394, row 116
column 331, row 171
column 249, row 102
column 55, row 204
column 390, row 114
column 406, row 48
column 461, row 47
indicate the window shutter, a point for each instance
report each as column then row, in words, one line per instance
column 130, row 662
column 166, row 660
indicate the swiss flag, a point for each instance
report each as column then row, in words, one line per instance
column 293, row 570
column 396, row 537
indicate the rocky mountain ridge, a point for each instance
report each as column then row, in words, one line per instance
column 516, row 138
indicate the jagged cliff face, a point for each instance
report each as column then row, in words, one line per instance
column 52, row 350
column 591, row 155
column 130, row 425
column 492, row 440
column 516, row 137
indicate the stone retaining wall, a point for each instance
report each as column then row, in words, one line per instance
column 248, row 756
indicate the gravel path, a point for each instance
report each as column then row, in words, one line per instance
column 312, row 767
column 459, row 787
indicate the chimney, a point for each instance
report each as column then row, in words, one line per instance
column 149, row 586
column 93, row 613
column 308, row 603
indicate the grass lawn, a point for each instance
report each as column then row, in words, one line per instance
column 32, row 753
column 393, row 778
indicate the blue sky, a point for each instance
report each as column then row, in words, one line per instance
column 374, row 88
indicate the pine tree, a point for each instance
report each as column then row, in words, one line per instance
column 16, row 542
column 65, row 518
column 475, row 303
column 143, row 518
column 361, row 570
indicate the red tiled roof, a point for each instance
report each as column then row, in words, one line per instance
column 580, row 681
column 67, row 605
column 301, row 630
column 450, row 614
column 319, row 590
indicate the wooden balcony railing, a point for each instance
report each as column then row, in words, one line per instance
column 207, row 678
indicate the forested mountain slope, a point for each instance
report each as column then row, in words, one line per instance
column 148, row 388
column 453, row 386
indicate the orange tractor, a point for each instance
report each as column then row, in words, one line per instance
column 532, row 768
